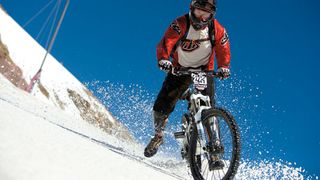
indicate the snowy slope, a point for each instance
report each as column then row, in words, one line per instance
column 36, row 143
column 60, row 130
column 40, row 141
column 20, row 59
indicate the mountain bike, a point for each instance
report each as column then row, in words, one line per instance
column 209, row 134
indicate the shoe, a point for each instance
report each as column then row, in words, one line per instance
column 153, row 146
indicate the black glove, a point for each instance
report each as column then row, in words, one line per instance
column 165, row 65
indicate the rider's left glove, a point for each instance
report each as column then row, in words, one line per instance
column 224, row 73
column 165, row 65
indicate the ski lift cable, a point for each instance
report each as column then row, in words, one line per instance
column 37, row 14
column 36, row 77
column 55, row 8
column 53, row 23
column 55, row 32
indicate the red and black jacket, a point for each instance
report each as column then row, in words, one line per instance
column 178, row 29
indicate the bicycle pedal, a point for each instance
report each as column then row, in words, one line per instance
column 179, row 135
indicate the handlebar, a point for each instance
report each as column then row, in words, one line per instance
column 181, row 71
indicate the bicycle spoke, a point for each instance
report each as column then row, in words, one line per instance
column 218, row 172
column 214, row 172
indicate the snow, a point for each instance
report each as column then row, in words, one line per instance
column 28, row 54
column 34, row 147
column 39, row 140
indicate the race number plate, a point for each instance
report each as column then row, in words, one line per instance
column 199, row 80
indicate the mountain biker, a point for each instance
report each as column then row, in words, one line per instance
column 191, row 42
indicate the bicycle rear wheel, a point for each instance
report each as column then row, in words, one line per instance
column 230, row 139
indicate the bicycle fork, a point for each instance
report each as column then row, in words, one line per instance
column 211, row 128
column 201, row 131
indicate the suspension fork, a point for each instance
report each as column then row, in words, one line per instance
column 201, row 136
column 201, row 129
column 211, row 127
column 213, row 130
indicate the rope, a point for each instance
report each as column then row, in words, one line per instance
column 56, row 32
column 36, row 77
column 37, row 14
column 53, row 23
column 47, row 20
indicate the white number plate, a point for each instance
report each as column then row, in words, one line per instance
column 199, row 80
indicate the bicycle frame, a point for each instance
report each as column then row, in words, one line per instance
column 199, row 103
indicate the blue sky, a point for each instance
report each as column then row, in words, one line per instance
column 274, row 44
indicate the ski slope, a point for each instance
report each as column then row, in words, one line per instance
column 45, row 136
column 57, row 85
column 34, row 145
column 40, row 141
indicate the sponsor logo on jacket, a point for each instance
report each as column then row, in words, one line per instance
column 224, row 39
column 175, row 26
column 190, row 45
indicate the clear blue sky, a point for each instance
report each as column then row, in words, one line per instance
column 275, row 47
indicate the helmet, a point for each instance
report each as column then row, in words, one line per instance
column 205, row 5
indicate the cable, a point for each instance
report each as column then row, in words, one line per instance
column 46, row 22
column 55, row 32
column 53, row 23
column 36, row 77
column 37, row 14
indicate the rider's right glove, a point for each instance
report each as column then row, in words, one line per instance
column 165, row 65
column 223, row 72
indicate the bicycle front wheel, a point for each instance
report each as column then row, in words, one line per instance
column 229, row 138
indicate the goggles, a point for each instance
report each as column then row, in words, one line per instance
column 205, row 6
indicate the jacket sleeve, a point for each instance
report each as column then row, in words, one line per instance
column 169, row 40
column 222, row 46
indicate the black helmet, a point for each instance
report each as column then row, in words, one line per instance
column 205, row 5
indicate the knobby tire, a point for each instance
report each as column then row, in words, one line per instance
column 234, row 131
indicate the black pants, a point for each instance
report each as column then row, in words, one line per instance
column 172, row 89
